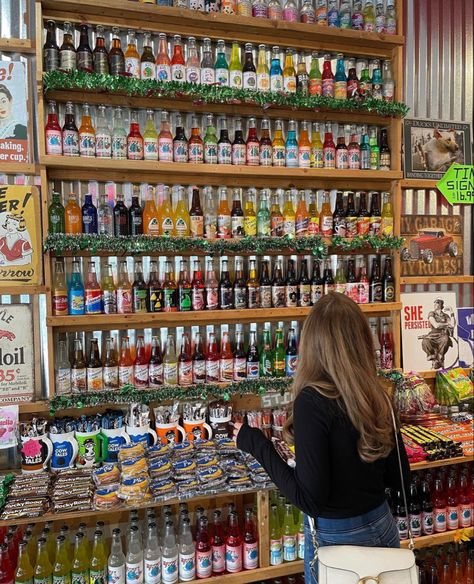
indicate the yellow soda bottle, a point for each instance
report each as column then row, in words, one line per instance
column 50, row 543
column 289, row 216
column 317, row 160
column 62, row 562
column 151, row 223
column 289, row 73
column 43, row 569
column 250, row 217
column 301, row 216
column 182, row 220
column 98, row 564
column 289, row 535
column 24, row 570
column 80, row 561
column 235, row 67
column 165, row 214
column 276, row 545
column 150, row 137
column 386, row 227
column 278, row 145
column 313, row 225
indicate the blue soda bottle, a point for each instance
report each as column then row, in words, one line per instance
column 75, row 292
column 89, row 216
column 276, row 72
column 291, row 146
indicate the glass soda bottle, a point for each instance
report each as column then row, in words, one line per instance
column 170, row 290
column 110, row 371
column 221, row 67
column 210, row 141
column 24, row 572
column 70, row 133
column 224, row 229
column 116, row 56
column 184, row 288
column 134, row 139
column 262, row 72
column 98, row 562
column 289, row 535
column 169, row 557
column 56, row 219
column 187, row 553
column 226, row 359
column 67, row 51
column 203, row 549
column 140, row 366
column 155, row 291
column 289, row 216
column 340, row 79
column 195, row 144
column 163, row 62
column 43, row 570
column 93, row 293
column 103, row 138
column 182, row 219
column 391, row 18
column 237, row 215
column 116, row 559
column 150, row 137
column 315, row 81
column 75, row 291
column 139, row 289
column 193, row 66
column 166, row 214
column 78, row 369
column 100, row 54
column 233, row 545
column 80, row 561
column 134, row 557
column 276, row 541
column 369, row 16
column 276, row 217
column 304, row 147
column 147, row 60
column 250, row 542
column 208, row 74
column 276, row 72
column 132, row 57
column 94, row 368
column 210, row 214
column 317, row 157
column 289, row 73
column 224, row 146
column 151, row 224
column 249, row 72
column 87, row 136
column 275, row 11
column 199, row 360
column 263, row 215
column 155, row 366
column 119, row 136
column 291, row 146
column 235, row 66
column 62, row 370
column 301, row 216
column 53, row 133
column 84, row 59
column 212, row 360
column 211, row 287
column 180, row 142
column 125, row 369
column 124, row 290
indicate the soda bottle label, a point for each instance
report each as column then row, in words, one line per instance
column 103, row 146
column 279, row 156
column 223, row 226
column 93, row 302
column 178, row 72
column 125, row 374
column 212, row 298
column 263, row 81
column 222, row 77
column 351, row 226
column 208, row 76
column 150, row 148
column 65, row 579
column 304, row 295
column 212, row 371
column 301, row 226
column 226, row 369
column 224, row 153
column 167, row 225
column 235, row 79
column 210, row 153
column 239, row 153
column 60, row 304
column 70, row 143
column 464, row 515
column 416, row 525
column 218, row 558
column 329, row 157
column 53, row 142
column 363, row 225
column 289, row 227
column 226, row 298
column 78, row 380
column 203, row 564
column 289, row 548
column 342, row 159
column 139, row 300
column 374, row 227
column 354, row 158
column 291, row 296
column 141, row 375
column 266, row 155
column 240, row 368
column 180, row 151
column 340, row 90
column 365, row 159
column 87, row 144
column 290, row 14
column 147, row 70
column 276, row 552
column 198, row 299
column 152, row 571
column 76, row 578
column 124, row 301
column 253, row 154
column 328, row 87
column 266, row 296
column 291, row 361
column 169, row 299
column 94, row 378
column 374, row 160
column 300, row 544
column 276, row 82
column 165, row 149
column 274, row 11
column 250, row 553
column 110, row 377
column 185, row 301
column 185, row 372
column 250, row 80
column 67, row 60
column 291, row 155
column 187, row 567
column 132, row 66
column 119, row 147
column 170, row 373
column 63, row 381
column 278, row 296
column 385, row 161
column 109, row 301
column 253, row 371
column 155, row 374
column 97, row 576
column 453, row 517
column 402, row 526
column 253, row 300
column 276, row 226
column 304, row 156
column 233, row 558
column 315, row 86
column 193, row 74
column 327, row 223
column 352, row 88
column 440, row 522
column 289, row 83
column 169, row 570
column 237, row 226
column 240, row 297
column 339, row 226
column 134, row 148
column 427, row 522
column 163, row 72
column 357, row 21
column 196, row 154
column 250, row 225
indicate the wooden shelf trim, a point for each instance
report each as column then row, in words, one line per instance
column 18, row 168
column 445, row 462
column 436, row 280
column 26, row 289
column 127, row 14
column 67, row 168
column 202, row 317
column 413, row 183
column 15, row 45
column 437, row 538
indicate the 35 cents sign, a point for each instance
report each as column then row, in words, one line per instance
column 17, row 375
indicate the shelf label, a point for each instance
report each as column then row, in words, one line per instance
column 457, row 185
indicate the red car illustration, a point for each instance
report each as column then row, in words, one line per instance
column 428, row 244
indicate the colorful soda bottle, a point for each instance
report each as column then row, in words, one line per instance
column 53, row 133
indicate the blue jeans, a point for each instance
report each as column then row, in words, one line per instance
column 374, row 529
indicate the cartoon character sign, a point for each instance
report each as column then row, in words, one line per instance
column 13, row 112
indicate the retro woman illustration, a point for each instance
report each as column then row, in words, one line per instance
column 9, row 126
column 15, row 246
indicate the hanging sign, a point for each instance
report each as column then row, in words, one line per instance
column 13, row 112
column 457, row 185
column 20, row 241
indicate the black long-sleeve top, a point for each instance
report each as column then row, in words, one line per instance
column 330, row 479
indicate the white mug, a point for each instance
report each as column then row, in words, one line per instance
column 142, row 434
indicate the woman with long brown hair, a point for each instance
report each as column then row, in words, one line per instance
column 342, row 430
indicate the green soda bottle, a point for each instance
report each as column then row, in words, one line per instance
column 56, row 222
column 24, row 570
column 43, row 569
column 300, row 535
column 210, row 141
column 98, row 564
column 266, row 355
column 276, row 544
column 374, row 151
column 62, row 563
column 80, row 561
column 279, row 354
column 289, row 535
column 263, row 215
column 235, row 67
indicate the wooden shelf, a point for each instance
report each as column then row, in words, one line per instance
column 413, row 183
column 33, row 407
column 67, row 168
column 437, row 280
column 445, row 462
column 437, row 538
column 13, row 45
column 26, row 289
column 186, row 104
column 125, row 14
column 18, row 168
column 93, row 322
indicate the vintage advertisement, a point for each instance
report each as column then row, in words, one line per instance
column 20, row 237
column 430, row 147
column 13, row 112
column 433, row 245
column 8, row 426
column 429, row 331
column 17, row 367
column 466, row 336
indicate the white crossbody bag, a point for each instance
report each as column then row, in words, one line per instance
column 347, row 564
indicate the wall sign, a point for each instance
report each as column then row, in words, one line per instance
column 17, row 367
column 433, row 245
column 13, row 112
column 466, row 336
column 457, row 185
column 20, row 241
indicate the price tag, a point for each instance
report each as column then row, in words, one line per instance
column 457, row 185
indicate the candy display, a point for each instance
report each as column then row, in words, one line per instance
column 435, row 446
column 454, row 387
column 414, row 398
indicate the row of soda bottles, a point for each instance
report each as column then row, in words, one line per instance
column 448, row 564
column 438, row 501
column 120, row 295
column 379, row 16
column 156, row 215
column 148, row 365
column 194, row 64
column 162, row 547
column 363, row 152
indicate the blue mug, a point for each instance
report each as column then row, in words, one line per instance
column 114, row 439
column 143, row 434
column 65, row 449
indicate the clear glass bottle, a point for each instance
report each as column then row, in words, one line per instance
column 307, row 13
column 103, row 138
column 208, row 75
column 119, row 136
column 193, row 65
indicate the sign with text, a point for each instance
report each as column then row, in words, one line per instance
column 20, row 242
column 457, row 185
column 17, row 367
column 429, row 331
column 466, row 336
column 13, row 112
column 433, row 245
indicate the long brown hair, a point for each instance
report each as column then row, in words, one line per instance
column 337, row 359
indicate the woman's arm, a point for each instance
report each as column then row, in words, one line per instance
column 306, row 486
column 392, row 477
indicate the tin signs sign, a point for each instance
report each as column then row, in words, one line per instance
column 17, row 368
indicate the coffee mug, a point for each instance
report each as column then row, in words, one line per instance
column 35, row 453
column 220, row 427
column 196, row 430
column 169, row 433
column 90, row 448
column 65, row 450
column 142, row 434
column 113, row 440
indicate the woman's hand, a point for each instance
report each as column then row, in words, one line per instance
column 237, row 426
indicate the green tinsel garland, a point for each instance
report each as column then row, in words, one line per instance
column 130, row 86
column 130, row 394
column 143, row 244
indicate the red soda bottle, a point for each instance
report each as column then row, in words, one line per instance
column 250, row 546
column 53, row 131
column 465, row 512
column 185, row 363
column 439, row 503
column 203, row 549
column 233, row 545
column 125, row 363
column 212, row 360
column 328, row 77
column 218, row 545
column 140, row 368
column 6, row 566
column 453, row 504
column 134, row 140
column 226, row 362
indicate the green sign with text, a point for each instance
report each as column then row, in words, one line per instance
column 457, row 185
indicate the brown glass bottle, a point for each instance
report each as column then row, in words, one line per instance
column 339, row 216
column 363, row 218
column 375, row 289
column 196, row 216
column 265, row 286
column 116, row 56
column 50, row 48
column 100, row 54
column 84, row 60
column 67, row 52
column 388, row 282
column 155, row 291
column 94, row 368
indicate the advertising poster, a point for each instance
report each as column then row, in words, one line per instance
column 8, row 426
column 466, row 336
column 20, row 242
column 429, row 331
column 17, row 367
column 13, row 112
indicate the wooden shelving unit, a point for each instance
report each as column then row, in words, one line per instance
column 438, row 538
column 437, row 280
column 437, row 463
